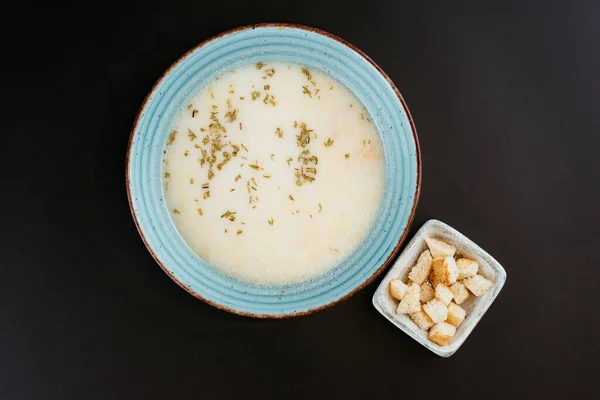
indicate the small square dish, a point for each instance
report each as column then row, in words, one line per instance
column 474, row 306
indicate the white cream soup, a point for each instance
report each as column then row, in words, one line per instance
column 274, row 173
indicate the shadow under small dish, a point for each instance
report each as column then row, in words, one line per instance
column 276, row 44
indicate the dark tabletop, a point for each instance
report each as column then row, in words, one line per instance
column 506, row 100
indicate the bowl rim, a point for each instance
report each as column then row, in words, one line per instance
column 417, row 193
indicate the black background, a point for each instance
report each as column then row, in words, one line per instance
column 505, row 98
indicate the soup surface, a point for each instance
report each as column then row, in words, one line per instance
column 274, row 173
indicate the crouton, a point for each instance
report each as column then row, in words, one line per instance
column 410, row 303
column 443, row 293
column 456, row 314
column 427, row 292
column 443, row 270
column 422, row 320
column 436, row 310
column 477, row 284
column 420, row 271
column 459, row 292
column 466, row 268
column 398, row 289
column 414, row 288
column 439, row 248
column 441, row 333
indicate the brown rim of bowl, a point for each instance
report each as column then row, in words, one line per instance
column 383, row 266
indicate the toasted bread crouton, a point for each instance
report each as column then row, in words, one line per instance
column 422, row 320
column 466, row 268
column 398, row 289
column 414, row 288
column 477, row 284
column 411, row 302
column 441, row 333
column 443, row 293
column 420, row 271
column 459, row 292
column 436, row 310
column 443, row 270
column 439, row 248
column 432, row 279
column 427, row 292
column 456, row 314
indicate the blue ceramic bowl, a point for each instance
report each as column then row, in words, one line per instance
column 273, row 42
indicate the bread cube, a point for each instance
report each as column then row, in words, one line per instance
column 420, row 271
column 398, row 289
column 443, row 270
column 456, row 314
column 441, row 333
column 477, row 284
column 459, row 292
column 427, row 292
column 439, row 248
column 411, row 302
column 436, row 310
column 443, row 293
column 466, row 268
column 414, row 288
column 422, row 320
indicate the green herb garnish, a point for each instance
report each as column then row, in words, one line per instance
column 171, row 138
column 306, row 90
column 255, row 166
column 231, row 115
column 303, row 139
column 306, row 72
column 230, row 215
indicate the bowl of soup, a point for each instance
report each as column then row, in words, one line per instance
column 273, row 171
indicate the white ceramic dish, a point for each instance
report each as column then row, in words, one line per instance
column 475, row 306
